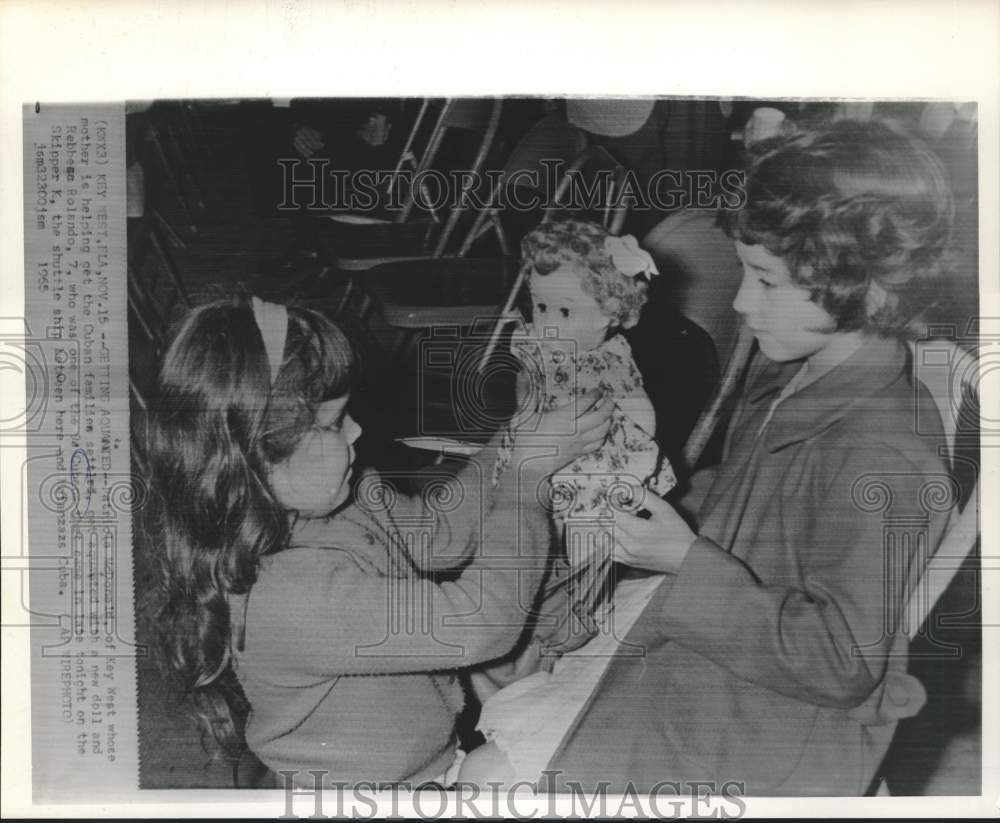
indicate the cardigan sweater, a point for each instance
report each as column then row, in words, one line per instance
column 775, row 654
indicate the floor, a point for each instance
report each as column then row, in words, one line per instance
column 226, row 244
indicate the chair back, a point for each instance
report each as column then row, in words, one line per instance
column 478, row 116
column 594, row 175
column 716, row 410
column 700, row 269
column 951, row 376
column 523, row 180
column 407, row 157
column 551, row 139
column 591, row 187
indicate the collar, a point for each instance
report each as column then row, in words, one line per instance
column 815, row 408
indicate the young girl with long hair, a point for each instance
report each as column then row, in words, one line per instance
column 313, row 596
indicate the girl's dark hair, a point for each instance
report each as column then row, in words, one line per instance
column 581, row 243
column 217, row 423
column 860, row 212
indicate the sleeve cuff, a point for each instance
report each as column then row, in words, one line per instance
column 702, row 592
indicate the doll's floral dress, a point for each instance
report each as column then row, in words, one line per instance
column 589, row 492
column 612, row 478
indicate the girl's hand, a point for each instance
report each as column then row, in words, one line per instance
column 658, row 543
column 578, row 426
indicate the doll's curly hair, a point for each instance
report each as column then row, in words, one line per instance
column 580, row 243
column 862, row 215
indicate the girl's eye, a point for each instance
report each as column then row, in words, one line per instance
column 542, row 308
column 565, row 312
column 765, row 283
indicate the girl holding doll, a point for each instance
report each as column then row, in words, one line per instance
column 772, row 647
column 288, row 575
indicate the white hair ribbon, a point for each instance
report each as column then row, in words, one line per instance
column 272, row 320
column 628, row 258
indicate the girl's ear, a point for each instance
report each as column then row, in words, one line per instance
column 291, row 486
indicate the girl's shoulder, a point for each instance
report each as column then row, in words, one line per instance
column 353, row 534
column 887, row 423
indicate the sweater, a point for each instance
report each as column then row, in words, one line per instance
column 349, row 648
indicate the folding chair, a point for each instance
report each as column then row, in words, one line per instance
column 719, row 405
column 150, row 236
column 953, row 383
column 594, row 171
column 441, row 297
column 699, row 266
column 357, row 242
column 172, row 143
column 550, row 145
column 597, row 175
column 458, row 292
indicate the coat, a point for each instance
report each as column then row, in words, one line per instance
column 775, row 657
column 348, row 649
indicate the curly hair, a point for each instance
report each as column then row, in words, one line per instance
column 580, row 243
column 861, row 213
column 216, row 425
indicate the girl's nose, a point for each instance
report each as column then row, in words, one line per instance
column 742, row 302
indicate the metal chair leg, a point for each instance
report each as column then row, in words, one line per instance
column 175, row 239
column 171, row 175
column 168, row 263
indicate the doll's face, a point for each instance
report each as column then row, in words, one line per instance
column 314, row 479
column 559, row 301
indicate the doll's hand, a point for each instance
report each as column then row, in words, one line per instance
column 307, row 141
column 658, row 543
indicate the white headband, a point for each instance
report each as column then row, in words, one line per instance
column 272, row 320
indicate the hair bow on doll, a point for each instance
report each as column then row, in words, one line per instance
column 628, row 258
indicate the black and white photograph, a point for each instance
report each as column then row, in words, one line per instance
column 314, row 365
column 592, row 453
